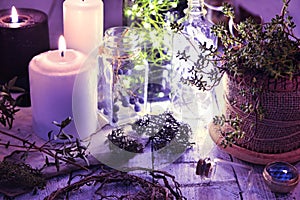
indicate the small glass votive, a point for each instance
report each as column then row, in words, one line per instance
column 281, row 177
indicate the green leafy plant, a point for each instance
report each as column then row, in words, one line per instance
column 153, row 19
column 148, row 14
column 250, row 53
column 263, row 50
column 8, row 104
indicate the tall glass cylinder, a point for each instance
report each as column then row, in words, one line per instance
column 195, row 32
column 123, row 78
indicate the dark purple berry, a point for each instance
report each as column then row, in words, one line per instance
column 116, row 108
column 125, row 103
column 120, row 72
column 105, row 112
column 141, row 100
column 101, row 105
column 132, row 100
column 137, row 108
column 115, row 119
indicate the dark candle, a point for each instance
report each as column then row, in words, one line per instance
column 21, row 39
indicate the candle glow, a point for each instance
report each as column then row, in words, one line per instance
column 62, row 46
column 14, row 15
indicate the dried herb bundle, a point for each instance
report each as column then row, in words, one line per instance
column 123, row 141
column 161, row 130
column 20, row 175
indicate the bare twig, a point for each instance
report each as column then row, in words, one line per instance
column 32, row 146
column 148, row 189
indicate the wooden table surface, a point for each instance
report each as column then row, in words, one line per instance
column 229, row 181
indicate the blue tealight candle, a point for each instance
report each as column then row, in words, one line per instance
column 281, row 177
column 281, row 172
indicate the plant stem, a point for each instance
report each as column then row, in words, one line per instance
column 40, row 149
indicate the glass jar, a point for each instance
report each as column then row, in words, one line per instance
column 139, row 132
column 196, row 32
column 123, row 77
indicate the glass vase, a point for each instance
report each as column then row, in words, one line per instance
column 123, row 79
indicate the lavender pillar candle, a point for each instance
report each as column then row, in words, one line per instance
column 21, row 38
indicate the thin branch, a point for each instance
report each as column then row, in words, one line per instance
column 41, row 149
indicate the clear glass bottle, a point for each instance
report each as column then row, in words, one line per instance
column 196, row 30
column 123, row 79
column 196, row 25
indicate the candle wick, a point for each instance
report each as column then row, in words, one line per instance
column 62, row 54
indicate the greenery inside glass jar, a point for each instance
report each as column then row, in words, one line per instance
column 153, row 18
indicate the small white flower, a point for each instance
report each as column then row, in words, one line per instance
column 151, row 6
column 174, row 4
column 138, row 14
column 134, row 7
column 128, row 12
column 167, row 25
column 146, row 25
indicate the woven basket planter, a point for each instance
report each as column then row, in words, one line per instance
column 279, row 130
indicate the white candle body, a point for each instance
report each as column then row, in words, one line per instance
column 52, row 80
column 83, row 24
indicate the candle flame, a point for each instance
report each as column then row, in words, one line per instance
column 62, row 47
column 14, row 15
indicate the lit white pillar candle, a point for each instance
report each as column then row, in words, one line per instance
column 52, row 75
column 83, row 24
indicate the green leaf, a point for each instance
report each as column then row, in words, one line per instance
column 50, row 135
column 12, row 82
column 57, row 164
column 66, row 122
column 64, row 136
column 17, row 89
column 47, row 161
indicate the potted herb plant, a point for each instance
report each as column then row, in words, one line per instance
column 260, row 66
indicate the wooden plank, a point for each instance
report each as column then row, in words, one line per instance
column 258, row 189
column 223, row 184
